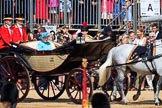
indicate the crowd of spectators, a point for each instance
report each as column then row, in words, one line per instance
column 53, row 12
column 141, row 39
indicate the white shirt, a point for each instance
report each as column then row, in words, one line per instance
column 20, row 28
column 9, row 29
column 140, row 42
column 133, row 41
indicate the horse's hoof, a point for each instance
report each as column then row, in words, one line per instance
column 118, row 99
column 135, row 97
column 112, row 98
column 109, row 98
column 126, row 103
column 157, row 104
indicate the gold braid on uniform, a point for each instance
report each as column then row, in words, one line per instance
column 88, row 36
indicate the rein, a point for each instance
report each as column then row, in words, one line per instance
column 136, row 61
column 152, row 71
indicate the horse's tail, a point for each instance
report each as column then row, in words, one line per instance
column 104, row 73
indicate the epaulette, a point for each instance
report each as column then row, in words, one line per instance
column 4, row 25
column 15, row 26
column 89, row 36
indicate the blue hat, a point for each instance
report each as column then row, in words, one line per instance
column 44, row 35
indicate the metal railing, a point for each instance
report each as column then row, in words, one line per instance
column 70, row 12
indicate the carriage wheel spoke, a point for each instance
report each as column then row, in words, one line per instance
column 48, row 89
column 80, row 95
column 74, row 81
column 9, row 70
column 43, row 91
column 9, row 67
column 76, row 94
column 73, row 90
column 4, row 70
column 21, row 91
column 53, row 90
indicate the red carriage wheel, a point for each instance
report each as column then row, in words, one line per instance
column 74, row 86
column 13, row 69
column 49, row 87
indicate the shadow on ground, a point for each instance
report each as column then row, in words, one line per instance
column 145, row 102
column 62, row 100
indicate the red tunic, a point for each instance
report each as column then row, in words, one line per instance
column 5, row 37
column 17, row 36
column 107, row 6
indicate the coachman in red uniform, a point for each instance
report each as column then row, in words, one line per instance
column 19, row 31
column 6, row 32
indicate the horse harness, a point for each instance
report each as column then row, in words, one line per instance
column 152, row 71
column 142, row 60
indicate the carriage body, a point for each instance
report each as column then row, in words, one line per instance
column 61, row 61
column 64, row 58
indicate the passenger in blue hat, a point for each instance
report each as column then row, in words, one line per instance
column 44, row 44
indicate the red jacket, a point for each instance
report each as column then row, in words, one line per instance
column 5, row 37
column 17, row 36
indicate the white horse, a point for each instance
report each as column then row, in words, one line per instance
column 119, row 55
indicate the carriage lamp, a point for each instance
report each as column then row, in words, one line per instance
column 80, row 39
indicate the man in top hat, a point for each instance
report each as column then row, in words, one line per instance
column 19, row 32
column 6, row 32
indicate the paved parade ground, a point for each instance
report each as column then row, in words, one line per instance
column 34, row 101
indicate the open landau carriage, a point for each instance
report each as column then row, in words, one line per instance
column 52, row 72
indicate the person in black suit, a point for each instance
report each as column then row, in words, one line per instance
column 100, row 100
column 157, row 31
column 158, row 35
column 9, row 94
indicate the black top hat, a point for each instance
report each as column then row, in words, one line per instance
column 7, row 17
column 19, row 17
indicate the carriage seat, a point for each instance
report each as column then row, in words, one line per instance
column 137, row 52
column 34, row 44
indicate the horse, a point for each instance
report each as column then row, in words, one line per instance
column 118, row 56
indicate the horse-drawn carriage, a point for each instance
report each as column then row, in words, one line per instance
column 53, row 71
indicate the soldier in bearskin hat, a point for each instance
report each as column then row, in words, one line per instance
column 84, row 31
column 19, row 31
column 6, row 32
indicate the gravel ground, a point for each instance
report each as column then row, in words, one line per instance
column 34, row 101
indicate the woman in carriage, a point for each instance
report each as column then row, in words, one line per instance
column 44, row 44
